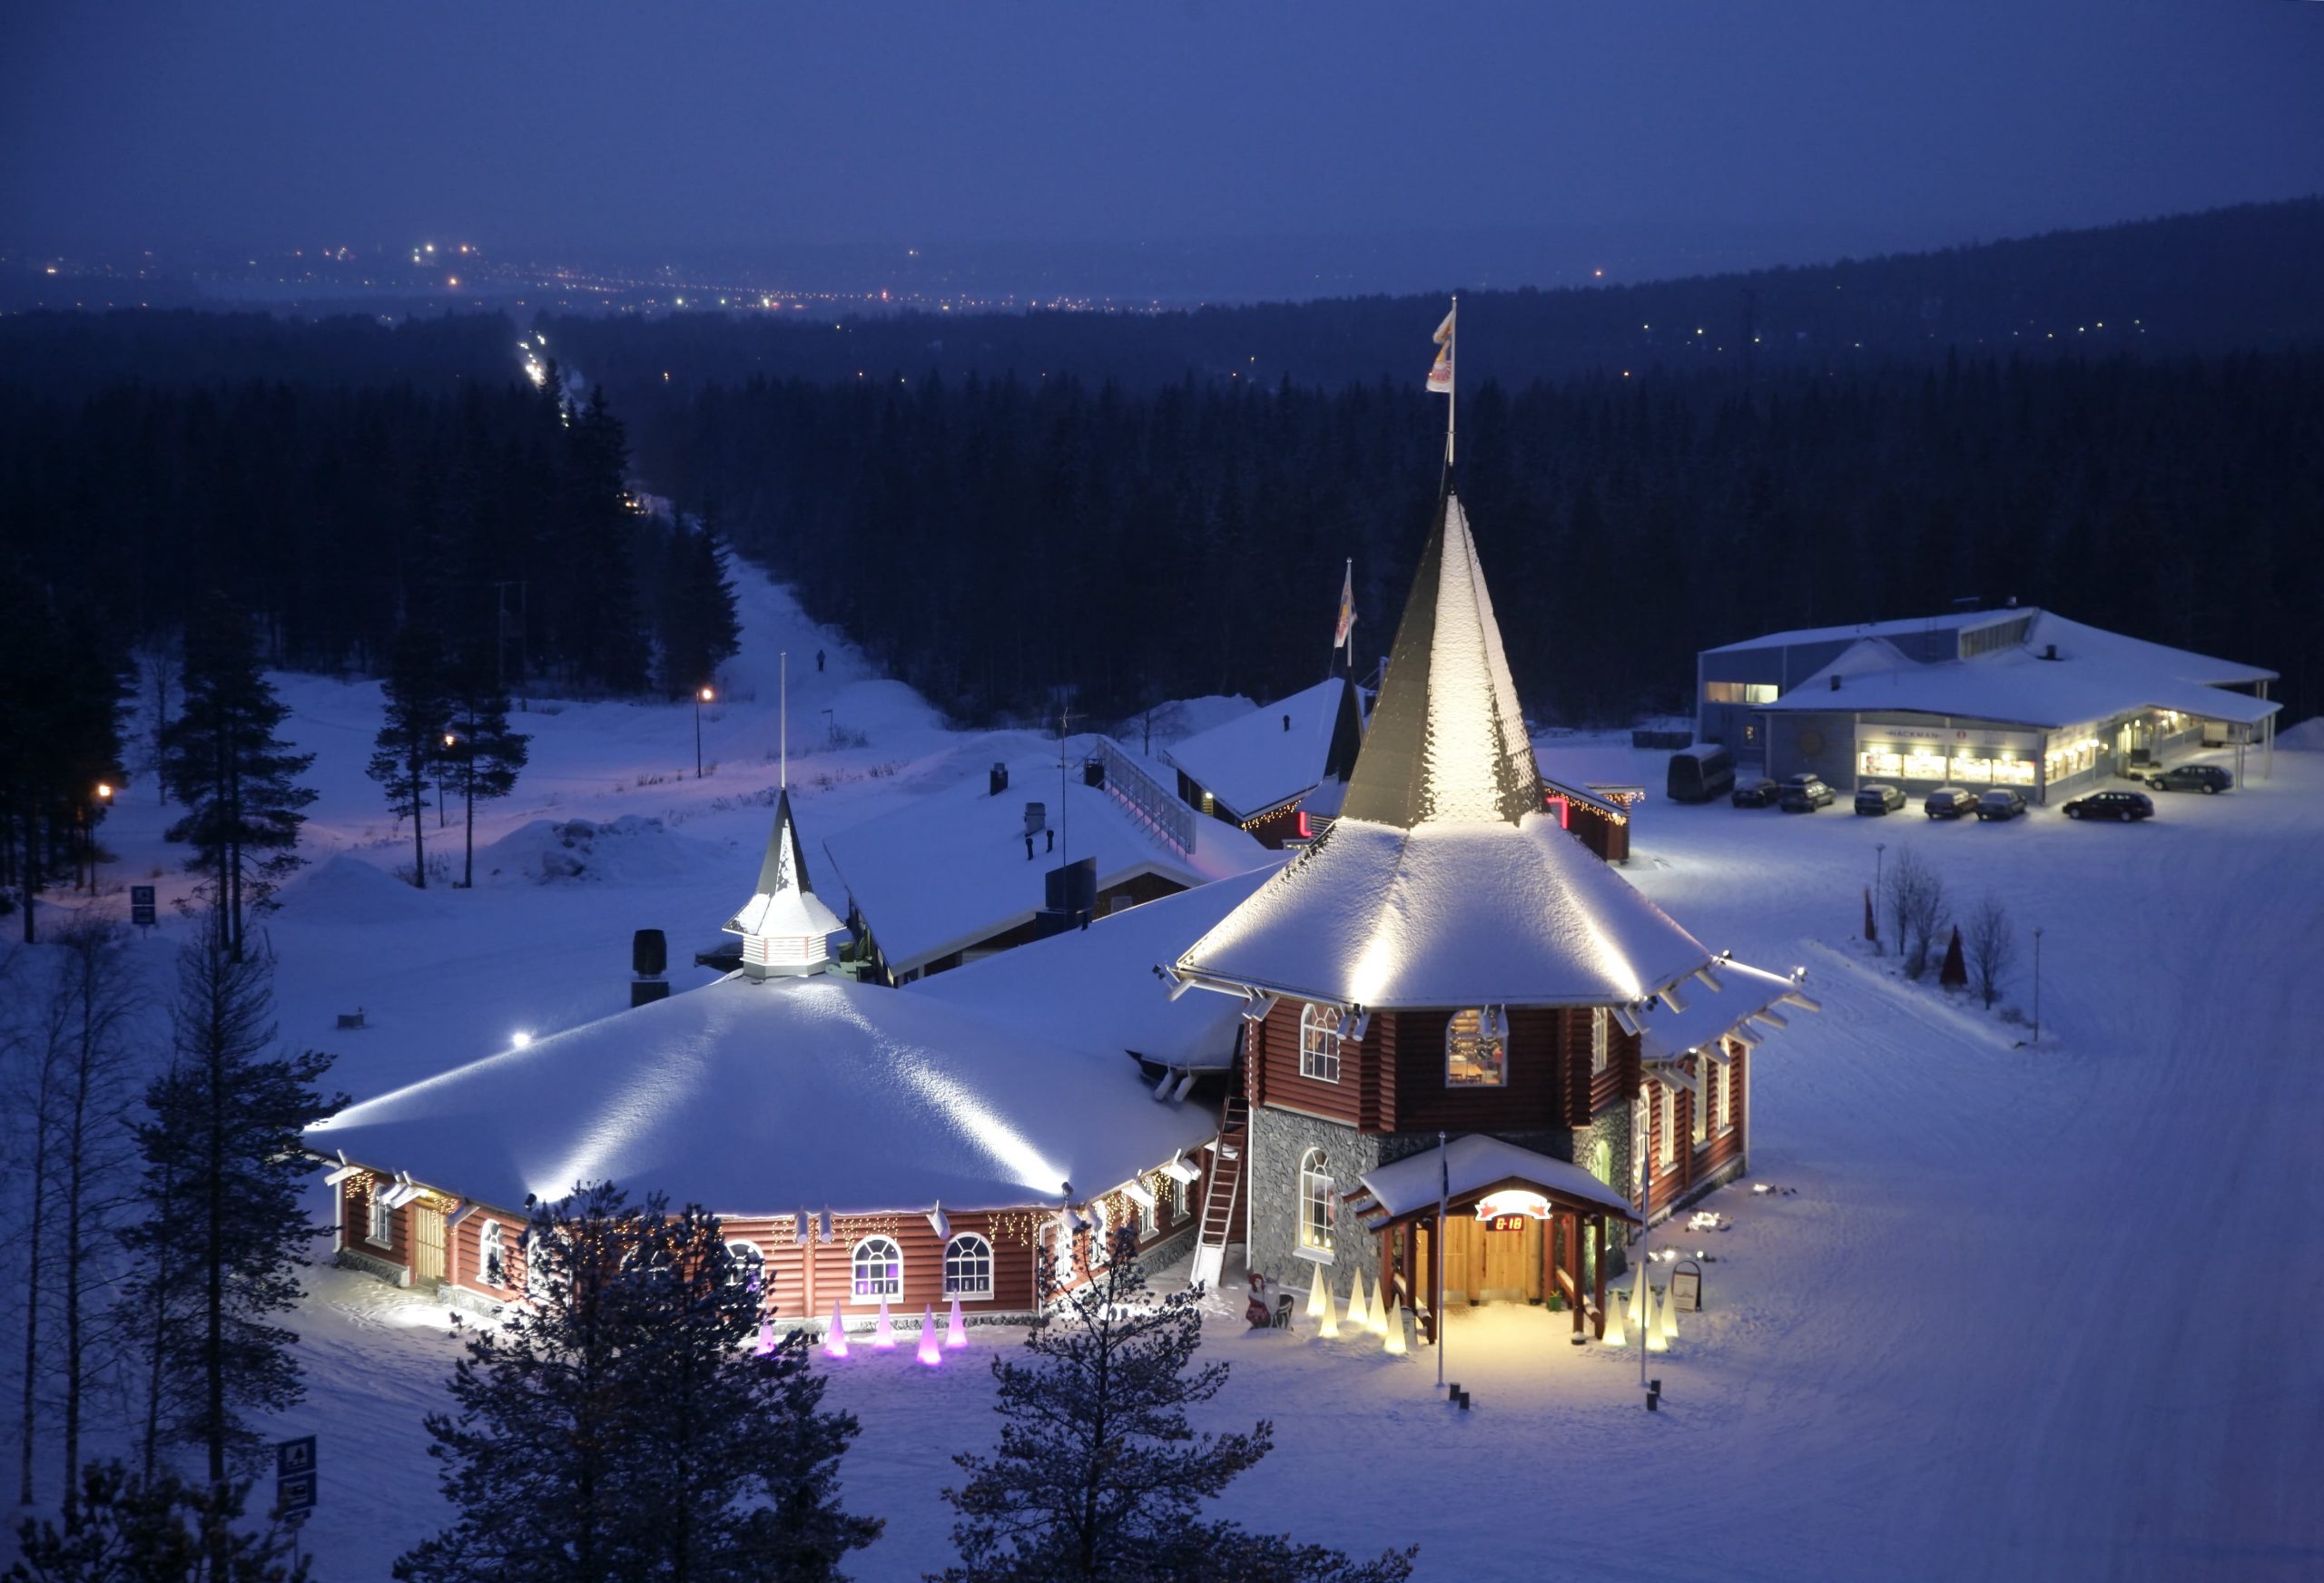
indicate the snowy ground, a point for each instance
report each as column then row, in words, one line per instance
column 2030, row 1314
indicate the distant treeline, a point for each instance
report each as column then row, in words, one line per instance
column 335, row 515
column 992, row 539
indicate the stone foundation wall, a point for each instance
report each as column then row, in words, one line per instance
column 1279, row 1139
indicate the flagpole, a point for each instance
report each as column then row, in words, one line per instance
column 1443, row 1198
column 1452, row 394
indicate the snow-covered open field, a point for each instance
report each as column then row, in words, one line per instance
column 2031, row 1312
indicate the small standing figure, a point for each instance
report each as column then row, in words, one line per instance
column 819, row 659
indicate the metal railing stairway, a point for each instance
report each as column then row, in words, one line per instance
column 1222, row 1192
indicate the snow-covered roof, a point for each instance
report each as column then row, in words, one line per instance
column 1447, row 739
column 1710, row 1014
column 1906, row 626
column 1444, row 882
column 1474, row 1163
column 1276, row 754
column 784, row 903
column 950, row 870
column 2096, row 674
column 766, row 1096
column 1447, row 915
column 1095, row 990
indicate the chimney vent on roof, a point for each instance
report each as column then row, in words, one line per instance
column 999, row 781
column 1287, row 723
column 1836, row 683
column 2050, row 651
column 1037, row 817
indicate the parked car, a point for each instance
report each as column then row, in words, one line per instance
column 2203, row 778
column 2122, row 805
column 1950, row 802
column 1699, row 773
column 1804, row 794
column 1879, row 797
column 2000, row 802
column 1757, row 792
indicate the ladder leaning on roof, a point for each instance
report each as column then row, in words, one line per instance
column 1221, row 1192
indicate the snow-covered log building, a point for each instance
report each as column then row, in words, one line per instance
column 864, row 1146
column 1446, row 961
column 1279, row 770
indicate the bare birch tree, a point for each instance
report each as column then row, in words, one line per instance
column 1993, row 948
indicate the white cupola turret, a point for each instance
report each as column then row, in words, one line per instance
column 786, row 930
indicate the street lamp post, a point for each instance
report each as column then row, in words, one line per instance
column 1879, row 848
column 2037, row 986
column 701, row 695
column 449, row 740
column 89, row 837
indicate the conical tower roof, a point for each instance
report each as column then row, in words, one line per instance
column 1444, row 882
column 1447, row 739
column 785, row 905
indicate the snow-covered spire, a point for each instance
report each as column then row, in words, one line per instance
column 786, row 930
column 1447, row 740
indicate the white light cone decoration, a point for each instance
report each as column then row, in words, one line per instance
column 931, row 1350
column 1616, row 1335
column 1655, row 1341
column 956, row 1333
column 835, row 1338
column 1383, row 1315
column 883, row 1335
column 766, row 1336
column 1359, row 1312
column 1671, row 1310
column 1319, row 1296
column 1391, row 1326
column 1328, row 1328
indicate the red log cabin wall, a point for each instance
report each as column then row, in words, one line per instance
column 1272, row 829
column 1688, row 1161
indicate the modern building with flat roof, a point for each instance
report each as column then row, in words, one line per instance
column 2010, row 697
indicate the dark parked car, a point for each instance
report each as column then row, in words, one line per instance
column 2122, row 805
column 2000, row 802
column 1950, row 802
column 1879, row 797
column 1757, row 792
column 2204, row 778
column 1804, row 794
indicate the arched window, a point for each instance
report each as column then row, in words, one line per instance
column 491, row 1255
column 878, row 1266
column 1314, row 1203
column 382, row 1229
column 1476, row 1049
column 968, row 1266
column 1319, row 1043
column 746, row 1266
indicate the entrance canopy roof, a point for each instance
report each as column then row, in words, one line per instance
column 1474, row 1166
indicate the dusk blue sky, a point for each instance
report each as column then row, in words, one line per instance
column 665, row 127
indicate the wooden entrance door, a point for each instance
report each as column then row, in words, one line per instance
column 427, row 1243
column 1481, row 1265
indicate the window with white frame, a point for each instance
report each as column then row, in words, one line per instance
column 968, row 1266
column 1699, row 1100
column 1726, row 1101
column 1315, row 1203
column 1150, row 1216
column 879, row 1268
column 382, row 1229
column 1178, row 1201
column 492, row 1255
column 747, row 1266
column 1600, row 1043
column 1666, row 1148
column 1476, row 1049
column 1101, row 1237
column 1319, row 1043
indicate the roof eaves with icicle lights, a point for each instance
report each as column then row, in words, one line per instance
column 1444, row 882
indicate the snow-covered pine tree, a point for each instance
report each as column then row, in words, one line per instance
column 411, row 742
column 485, row 756
column 218, row 1230
column 222, row 760
column 1097, row 1474
column 621, row 1425
column 699, row 628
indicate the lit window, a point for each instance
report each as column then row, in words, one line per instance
column 1101, row 1237
column 1314, row 1203
column 382, row 1229
column 1921, row 765
column 1665, row 1145
column 1150, row 1216
column 1319, row 1044
column 1726, row 1099
column 1741, row 691
column 492, row 1255
column 878, row 1266
column 747, row 1266
column 1599, row 1040
column 1476, row 1049
column 1887, row 763
column 968, row 1266
column 1698, row 1101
